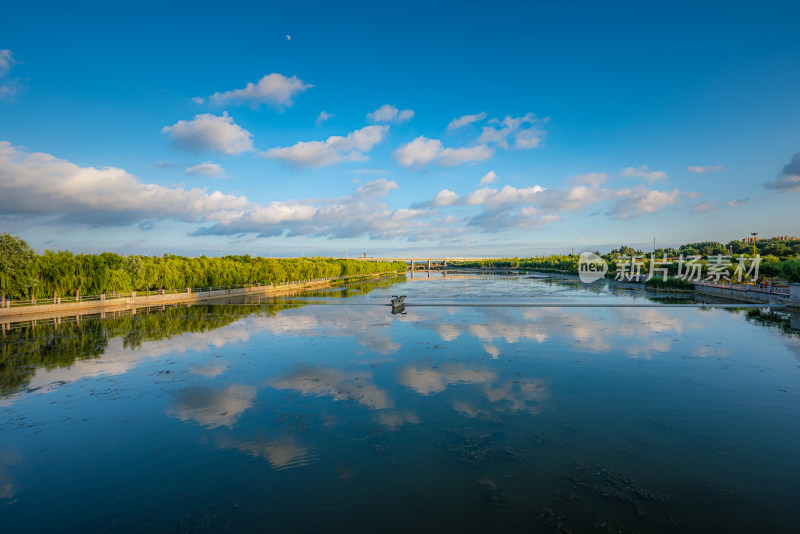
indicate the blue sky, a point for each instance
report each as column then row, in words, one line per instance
column 521, row 127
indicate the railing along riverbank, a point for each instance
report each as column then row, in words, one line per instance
column 788, row 295
column 771, row 289
column 9, row 308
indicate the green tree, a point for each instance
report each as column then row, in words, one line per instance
column 134, row 267
column 16, row 261
column 790, row 270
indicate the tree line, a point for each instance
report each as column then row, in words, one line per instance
column 786, row 266
column 25, row 274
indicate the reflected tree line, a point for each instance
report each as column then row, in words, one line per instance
column 787, row 323
column 25, row 348
column 51, row 345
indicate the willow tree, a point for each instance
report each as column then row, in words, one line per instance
column 16, row 263
column 790, row 270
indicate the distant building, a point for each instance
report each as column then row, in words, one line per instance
column 777, row 238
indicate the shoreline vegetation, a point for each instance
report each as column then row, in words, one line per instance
column 59, row 342
column 60, row 277
column 48, row 308
column 25, row 275
column 779, row 259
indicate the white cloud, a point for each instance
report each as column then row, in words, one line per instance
column 789, row 178
column 488, row 178
column 9, row 87
column 450, row 157
column 364, row 213
column 387, row 113
column 423, row 151
column 419, row 152
column 737, row 203
column 574, row 198
column 534, row 207
column 323, row 116
column 504, row 208
column 705, row 207
column 9, row 90
column 524, row 131
column 207, row 168
column 210, row 132
column 644, row 173
column 275, row 89
column 465, row 120
column 487, row 196
column 506, row 195
column 445, row 197
column 334, row 149
column 638, row 201
column 6, row 61
column 705, row 168
column 41, row 185
column 404, row 115
column 54, row 191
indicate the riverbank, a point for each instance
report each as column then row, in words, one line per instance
column 156, row 299
column 748, row 295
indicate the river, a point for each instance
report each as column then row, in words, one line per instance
column 492, row 403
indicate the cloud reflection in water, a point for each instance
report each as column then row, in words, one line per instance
column 213, row 408
column 319, row 381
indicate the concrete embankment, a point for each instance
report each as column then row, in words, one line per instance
column 744, row 294
column 155, row 299
column 753, row 296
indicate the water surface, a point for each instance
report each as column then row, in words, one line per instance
column 327, row 412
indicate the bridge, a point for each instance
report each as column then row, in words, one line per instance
column 431, row 261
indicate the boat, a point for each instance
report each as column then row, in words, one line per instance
column 398, row 302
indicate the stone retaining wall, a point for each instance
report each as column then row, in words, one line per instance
column 753, row 297
column 153, row 299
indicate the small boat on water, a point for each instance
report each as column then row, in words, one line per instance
column 398, row 301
